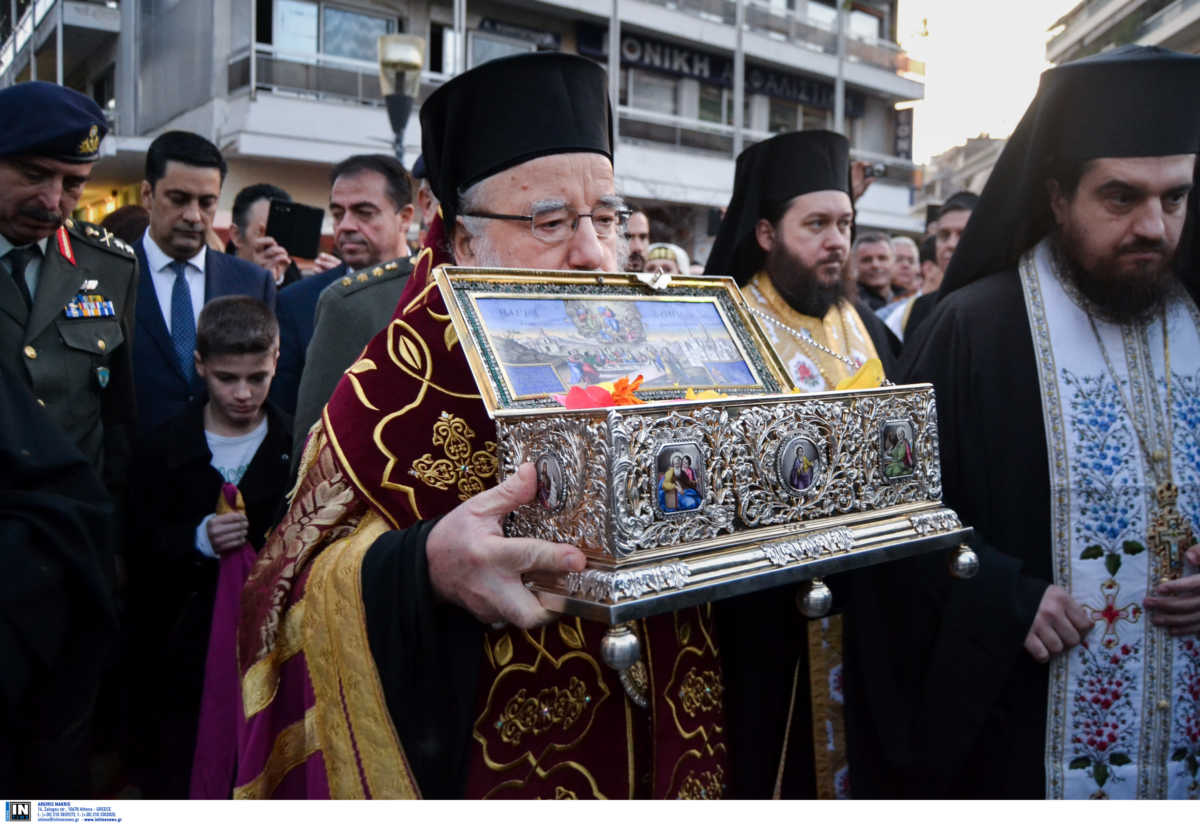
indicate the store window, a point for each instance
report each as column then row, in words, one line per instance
column 294, row 26
column 352, row 33
column 822, row 14
column 815, row 118
column 653, row 92
column 309, row 27
column 782, row 116
column 714, row 101
column 864, row 26
column 485, row 46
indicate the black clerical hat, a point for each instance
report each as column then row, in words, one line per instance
column 1132, row 101
column 768, row 175
column 48, row 120
column 508, row 111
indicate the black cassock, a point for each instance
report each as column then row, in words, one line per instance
column 967, row 712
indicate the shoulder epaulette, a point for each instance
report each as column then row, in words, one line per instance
column 362, row 278
column 99, row 237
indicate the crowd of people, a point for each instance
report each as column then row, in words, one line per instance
column 228, row 577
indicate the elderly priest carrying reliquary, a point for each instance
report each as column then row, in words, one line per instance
column 397, row 652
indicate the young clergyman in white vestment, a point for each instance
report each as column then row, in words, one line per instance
column 1065, row 352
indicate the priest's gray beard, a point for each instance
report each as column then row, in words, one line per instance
column 1119, row 292
column 799, row 285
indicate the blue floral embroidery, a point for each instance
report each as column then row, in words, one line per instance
column 1185, row 398
column 1101, row 471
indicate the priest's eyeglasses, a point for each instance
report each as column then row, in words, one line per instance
column 554, row 225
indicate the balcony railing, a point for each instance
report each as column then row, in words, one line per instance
column 1076, row 23
column 1165, row 16
column 797, row 28
column 30, row 15
column 658, row 129
column 319, row 76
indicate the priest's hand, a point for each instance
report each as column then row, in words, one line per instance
column 1060, row 624
column 1176, row 604
column 473, row 565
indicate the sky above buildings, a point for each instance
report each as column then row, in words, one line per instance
column 982, row 62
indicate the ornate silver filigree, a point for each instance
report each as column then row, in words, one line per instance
column 611, row 587
column 764, row 497
column 809, row 547
column 610, row 477
column 926, row 523
column 580, row 445
column 635, row 441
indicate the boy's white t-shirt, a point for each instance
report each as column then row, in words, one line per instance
column 231, row 456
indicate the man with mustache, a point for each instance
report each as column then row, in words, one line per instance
column 179, row 273
column 326, row 320
column 786, row 238
column 1063, row 351
column 66, row 288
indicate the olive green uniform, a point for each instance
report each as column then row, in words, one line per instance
column 349, row 313
column 80, row 369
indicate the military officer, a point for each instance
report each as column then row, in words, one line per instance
column 349, row 313
column 67, row 288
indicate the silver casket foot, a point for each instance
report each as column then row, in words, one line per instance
column 964, row 563
column 815, row 599
column 620, row 647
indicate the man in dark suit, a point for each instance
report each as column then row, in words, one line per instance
column 66, row 288
column 179, row 273
column 370, row 201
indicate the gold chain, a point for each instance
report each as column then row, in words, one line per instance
column 1142, row 439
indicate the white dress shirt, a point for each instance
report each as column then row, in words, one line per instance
column 164, row 277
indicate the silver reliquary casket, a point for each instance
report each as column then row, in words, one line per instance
column 724, row 481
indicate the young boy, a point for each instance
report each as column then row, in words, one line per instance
column 231, row 436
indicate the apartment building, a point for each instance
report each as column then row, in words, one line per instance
column 287, row 88
column 1095, row 25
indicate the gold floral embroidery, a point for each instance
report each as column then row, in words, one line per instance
column 563, row 794
column 700, row 692
column 462, row 467
column 552, row 707
column 707, row 785
column 323, row 509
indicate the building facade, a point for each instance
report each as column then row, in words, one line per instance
column 1095, row 25
column 287, row 88
column 960, row 168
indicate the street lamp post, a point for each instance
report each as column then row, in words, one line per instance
column 401, row 58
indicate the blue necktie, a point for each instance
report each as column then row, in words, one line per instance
column 183, row 322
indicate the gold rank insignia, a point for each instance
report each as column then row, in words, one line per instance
column 91, row 143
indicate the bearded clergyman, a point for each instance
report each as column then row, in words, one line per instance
column 785, row 238
column 1064, row 351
